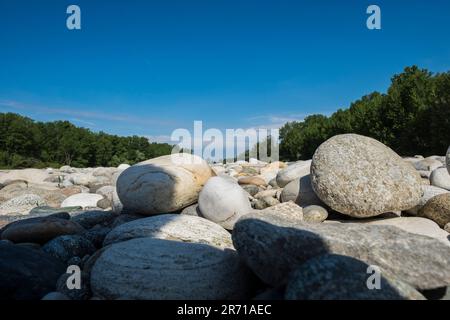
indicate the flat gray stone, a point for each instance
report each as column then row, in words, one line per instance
column 147, row 268
column 272, row 246
column 337, row 277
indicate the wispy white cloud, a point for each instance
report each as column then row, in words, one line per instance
column 86, row 115
column 76, row 120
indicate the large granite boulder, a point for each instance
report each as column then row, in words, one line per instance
column 361, row 177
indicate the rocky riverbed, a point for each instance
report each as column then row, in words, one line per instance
column 246, row 230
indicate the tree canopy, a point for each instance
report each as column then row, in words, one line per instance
column 26, row 143
column 412, row 117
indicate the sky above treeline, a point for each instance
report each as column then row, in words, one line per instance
column 149, row 67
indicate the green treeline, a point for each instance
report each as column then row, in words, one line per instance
column 413, row 117
column 26, row 143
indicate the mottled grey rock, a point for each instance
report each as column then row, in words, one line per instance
column 147, row 268
column 428, row 193
column 21, row 204
column 27, row 273
column 223, row 201
column 301, row 192
column 361, row 177
column 293, row 172
column 315, row 214
column 337, row 277
column 447, row 227
column 172, row 227
column 272, row 246
column 68, row 246
column 39, row 230
column 437, row 209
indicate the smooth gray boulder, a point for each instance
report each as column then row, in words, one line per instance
column 27, row 274
column 223, row 201
column 146, row 268
column 315, row 214
column 164, row 184
column 440, row 178
column 173, row 227
column 272, row 246
column 68, row 246
column 292, row 172
column 301, row 192
column 361, row 177
column 337, row 277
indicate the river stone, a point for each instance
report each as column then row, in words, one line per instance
column 88, row 219
column 175, row 227
column 27, row 274
column 192, row 210
column 337, row 277
column 292, row 172
column 301, row 192
column 83, row 200
column 288, row 209
column 39, row 230
column 417, row 225
column 146, row 268
column 437, row 209
column 272, row 246
column 69, row 246
column 223, row 201
column 21, row 204
column 46, row 210
column 161, row 185
column 361, row 177
column 315, row 214
column 440, row 178
column 428, row 193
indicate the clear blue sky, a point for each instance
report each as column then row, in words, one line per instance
column 148, row 67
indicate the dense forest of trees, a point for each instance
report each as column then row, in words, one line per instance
column 25, row 143
column 413, row 117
